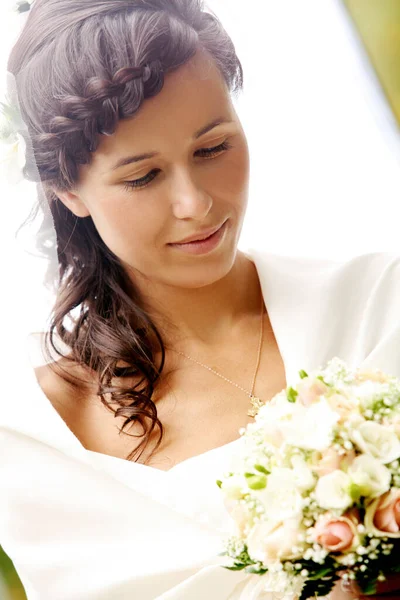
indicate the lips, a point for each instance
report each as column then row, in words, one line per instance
column 199, row 237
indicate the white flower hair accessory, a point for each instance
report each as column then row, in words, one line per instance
column 13, row 130
column 13, row 133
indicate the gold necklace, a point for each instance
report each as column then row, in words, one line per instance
column 255, row 402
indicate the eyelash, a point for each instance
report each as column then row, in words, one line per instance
column 142, row 182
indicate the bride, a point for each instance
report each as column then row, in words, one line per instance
column 163, row 334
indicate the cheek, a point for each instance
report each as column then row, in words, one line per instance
column 127, row 225
column 228, row 177
column 236, row 175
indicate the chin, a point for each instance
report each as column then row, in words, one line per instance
column 201, row 273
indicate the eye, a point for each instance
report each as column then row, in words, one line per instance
column 142, row 182
column 210, row 152
column 204, row 152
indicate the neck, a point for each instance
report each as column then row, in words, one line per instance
column 208, row 315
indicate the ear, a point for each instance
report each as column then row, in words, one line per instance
column 74, row 203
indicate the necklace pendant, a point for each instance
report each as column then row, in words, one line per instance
column 256, row 405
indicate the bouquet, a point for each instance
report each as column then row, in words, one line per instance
column 315, row 493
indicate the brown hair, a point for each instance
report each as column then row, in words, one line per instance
column 80, row 67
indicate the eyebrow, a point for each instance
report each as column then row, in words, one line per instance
column 122, row 162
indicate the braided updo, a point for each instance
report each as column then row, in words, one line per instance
column 80, row 67
column 82, row 118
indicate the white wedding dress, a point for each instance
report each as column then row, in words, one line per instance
column 81, row 525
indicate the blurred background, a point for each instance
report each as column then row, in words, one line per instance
column 321, row 109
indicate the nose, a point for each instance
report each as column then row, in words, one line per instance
column 188, row 199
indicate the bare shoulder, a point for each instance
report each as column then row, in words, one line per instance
column 63, row 382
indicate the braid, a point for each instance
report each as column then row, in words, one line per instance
column 96, row 112
column 101, row 96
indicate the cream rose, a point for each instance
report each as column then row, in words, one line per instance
column 377, row 375
column 326, row 462
column 382, row 517
column 376, row 440
column 342, row 405
column 271, row 541
column 239, row 515
column 330, row 460
column 370, row 475
column 310, row 390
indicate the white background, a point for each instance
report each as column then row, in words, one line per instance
column 325, row 151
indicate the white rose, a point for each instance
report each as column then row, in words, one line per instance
column 310, row 427
column 368, row 391
column 234, row 487
column 370, row 475
column 333, row 491
column 376, row 440
column 303, row 475
column 273, row 411
column 281, row 498
column 271, row 541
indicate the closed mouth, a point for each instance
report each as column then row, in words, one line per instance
column 200, row 239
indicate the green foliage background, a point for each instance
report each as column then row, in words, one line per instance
column 378, row 25
column 10, row 579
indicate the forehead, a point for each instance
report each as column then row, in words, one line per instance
column 192, row 96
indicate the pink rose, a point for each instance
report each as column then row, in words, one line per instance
column 382, row 517
column 310, row 390
column 336, row 534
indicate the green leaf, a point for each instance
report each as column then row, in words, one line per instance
column 321, row 573
column 256, row 570
column 354, row 491
column 219, row 483
column 368, row 587
column 262, row 469
column 236, row 567
column 257, row 482
column 291, row 394
column 317, row 588
column 303, row 374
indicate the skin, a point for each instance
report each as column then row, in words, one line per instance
column 200, row 302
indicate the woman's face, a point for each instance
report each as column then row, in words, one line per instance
column 142, row 207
